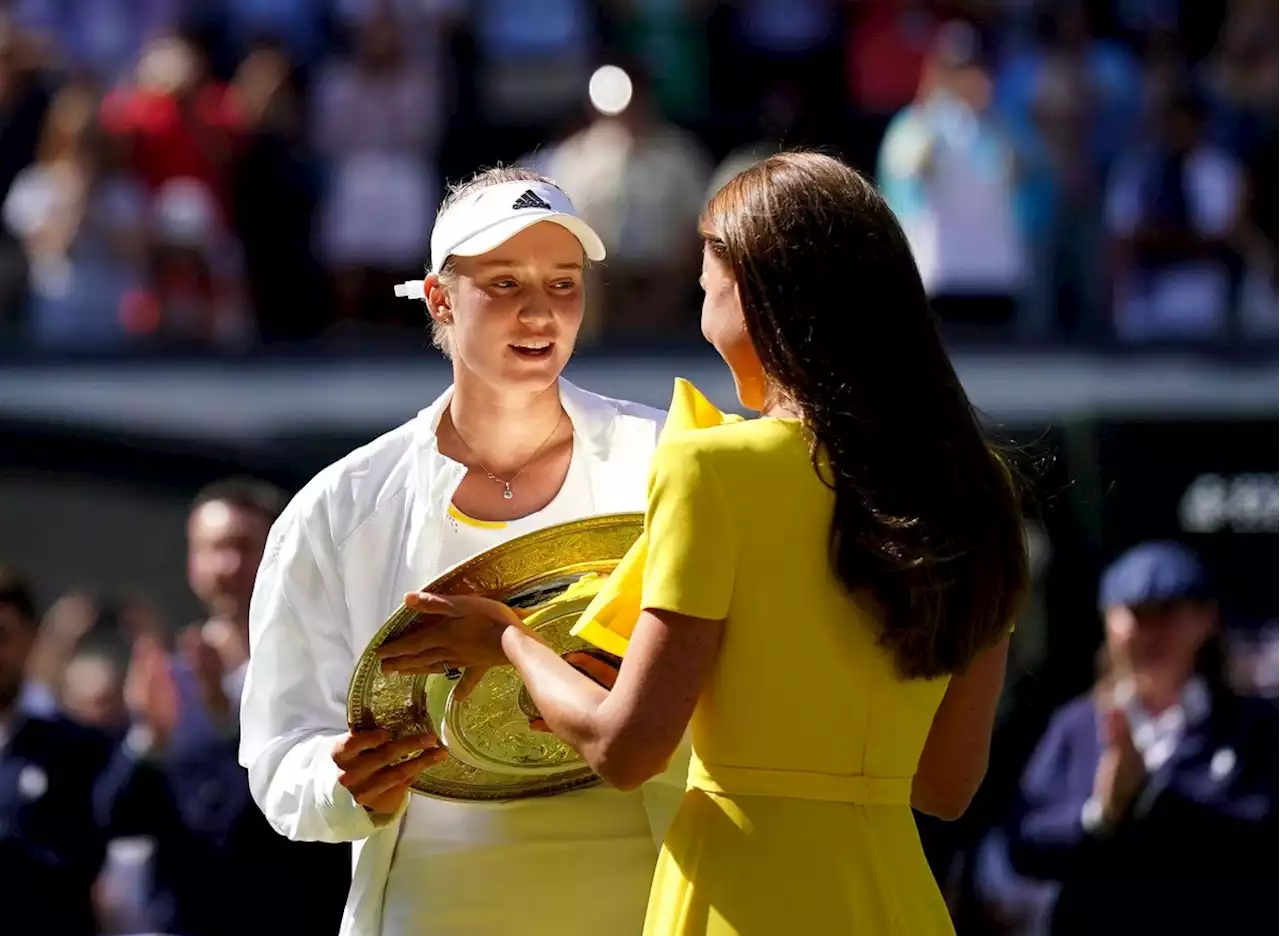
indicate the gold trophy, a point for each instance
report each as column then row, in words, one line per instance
column 550, row 576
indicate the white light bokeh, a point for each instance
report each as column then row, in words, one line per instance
column 610, row 90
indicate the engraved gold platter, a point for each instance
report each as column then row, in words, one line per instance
column 550, row 576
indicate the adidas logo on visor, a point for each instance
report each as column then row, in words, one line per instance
column 530, row 200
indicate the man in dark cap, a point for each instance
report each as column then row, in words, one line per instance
column 1152, row 800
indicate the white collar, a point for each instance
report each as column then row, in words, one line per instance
column 618, row 446
column 1157, row 736
column 1192, row 705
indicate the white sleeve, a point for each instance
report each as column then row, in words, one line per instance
column 293, row 709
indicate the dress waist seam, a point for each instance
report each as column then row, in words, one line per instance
column 857, row 789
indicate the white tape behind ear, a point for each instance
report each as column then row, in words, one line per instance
column 412, row 289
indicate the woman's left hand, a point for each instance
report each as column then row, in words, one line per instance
column 465, row 631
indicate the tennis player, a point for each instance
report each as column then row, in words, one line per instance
column 509, row 448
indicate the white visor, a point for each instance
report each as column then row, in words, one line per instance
column 496, row 213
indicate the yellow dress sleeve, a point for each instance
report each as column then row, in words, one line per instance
column 691, row 537
column 611, row 617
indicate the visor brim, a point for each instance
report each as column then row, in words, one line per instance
column 493, row 237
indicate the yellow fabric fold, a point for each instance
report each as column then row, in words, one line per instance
column 611, row 617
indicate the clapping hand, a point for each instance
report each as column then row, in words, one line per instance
column 150, row 690
column 204, row 660
column 1122, row 773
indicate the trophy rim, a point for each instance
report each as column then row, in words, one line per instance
column 474, row 576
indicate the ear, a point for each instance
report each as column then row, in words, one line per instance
column 439, row 301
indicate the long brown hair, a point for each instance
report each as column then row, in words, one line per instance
column 927, row 515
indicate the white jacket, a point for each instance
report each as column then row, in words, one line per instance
column 363, row 532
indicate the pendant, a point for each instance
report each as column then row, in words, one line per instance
column 507, row 493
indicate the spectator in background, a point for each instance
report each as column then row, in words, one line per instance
column 100, row 37
column 297, row 25
column 1239, row 77
column 93, row 690
column 186, row 719
column 196, row 272
column 1152, row 801
column 92, row 693
column 885, row 52
column 641, row 182
column 671, row 40
column 176, row 122
column 534, row 59
column 1070, row 99
column 1260, row 293
column 75, row 623
column 1105, row 72
column 24, row 99
column 88, row 677
column 147, row 863
column 276, row 192
column 377, row 119
column 80, row 217
column 226, row 532
column 1007, row 903
column 61, row 630
column 948, row 172
column 52, row 845
column 1062, row 206
column 1173, row 208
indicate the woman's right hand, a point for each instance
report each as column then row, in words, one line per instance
column 368, row 769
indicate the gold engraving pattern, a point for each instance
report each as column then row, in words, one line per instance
column 493, row 753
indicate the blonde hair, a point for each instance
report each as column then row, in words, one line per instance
column 441, row 336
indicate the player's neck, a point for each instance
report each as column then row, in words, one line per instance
column 502, row 429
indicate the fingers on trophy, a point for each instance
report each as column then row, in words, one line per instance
column 436, row 666
column 378, row 769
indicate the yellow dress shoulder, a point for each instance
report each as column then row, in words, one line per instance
column 608, row 620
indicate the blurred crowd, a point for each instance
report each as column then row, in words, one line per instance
column 123, row 808
column 228, row 174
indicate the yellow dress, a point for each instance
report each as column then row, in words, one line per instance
column 796, row 819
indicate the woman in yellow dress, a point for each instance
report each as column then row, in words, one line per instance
column 825, row 591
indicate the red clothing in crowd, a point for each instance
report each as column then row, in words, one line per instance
column 168, row 141
column 886, row 49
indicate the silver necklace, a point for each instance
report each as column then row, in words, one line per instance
column 507, row 493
